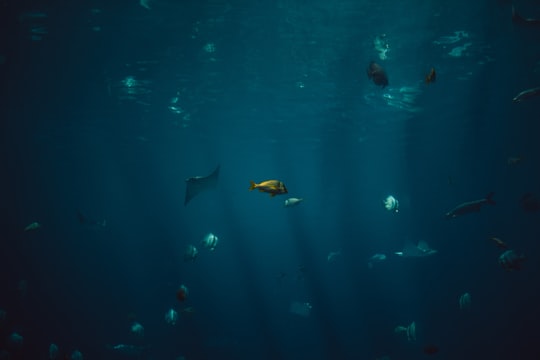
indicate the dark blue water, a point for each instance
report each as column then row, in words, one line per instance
column 107, row 107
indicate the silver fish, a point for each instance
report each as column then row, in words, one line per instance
column 526, row 94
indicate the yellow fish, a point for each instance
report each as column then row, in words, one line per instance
column 273, row 187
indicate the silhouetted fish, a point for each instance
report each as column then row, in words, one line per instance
column 376, row 73
column 527, row 94
column 471, row 206
column 518, row 19
column 530, row 202
column 198, row 184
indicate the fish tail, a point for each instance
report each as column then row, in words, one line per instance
column 252, row 185
column 489, row 198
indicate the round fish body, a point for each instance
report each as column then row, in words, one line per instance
column 376, row 73
column 210, row 241
column 191, row 253
column 391, row 204
column 292, row 202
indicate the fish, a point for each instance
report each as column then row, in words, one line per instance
column 471, row 206
column 421, row 249
column 33, row 226
column 530, row 203
column 90, row 223
column 127, row 350
column 510, row 260
column 375, row 259
column 292, row 202
column 376, row 73
column 273, row 187
column 431, row 349
column 526, row 94
column 519, row 19
column 514, row 160
column 188, row 310
column 332, row 255
column 431, row 77
column 198, row 184
column 499, row 242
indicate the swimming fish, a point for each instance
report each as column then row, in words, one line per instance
column 376, row 73
column 514, row 160
column 198, row 184
column 376, row 259
column 530, row 202
column 127, row 350
column 292, row 202
column 332, row 255
column 499, row 242
column 431, row 77
column 471, row 206
column 32, row 226
column 273, row 187
column 526, row 94
column 518, row 19
column 420, row 249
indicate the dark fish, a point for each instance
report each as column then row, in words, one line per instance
column 431, row 349
column 526, row 94
column 471, row 206
column 511, row 261
column 376, row 73
column 95, row 224
column 198, row 184
column 131, row 351
column 431, row 77
column 530, row 203
column 518, row 19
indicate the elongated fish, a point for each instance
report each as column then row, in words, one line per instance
column 526, row 94
column 470, row 207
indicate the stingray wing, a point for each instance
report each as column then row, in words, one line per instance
column 198, row 184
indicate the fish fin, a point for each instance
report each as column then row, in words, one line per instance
column 198, row 184
column 489, row 198
column 252, row 185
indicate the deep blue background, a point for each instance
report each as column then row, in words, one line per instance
column 283, row 95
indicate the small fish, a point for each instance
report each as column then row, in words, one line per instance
column 530, row 202
column 431, row 77
column 514, row 160
column 526, row 94
column 273, row 187
column 33, row 226
column 499, row 242
column 127, row 350
column 292, row 202
column 188, row 310
column 332, row 255
column 375, row 259
column 420, row 249
column 431, row 349
column 376, row 73
column 471, row 206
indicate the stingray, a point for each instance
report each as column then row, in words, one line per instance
column 198, row 184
